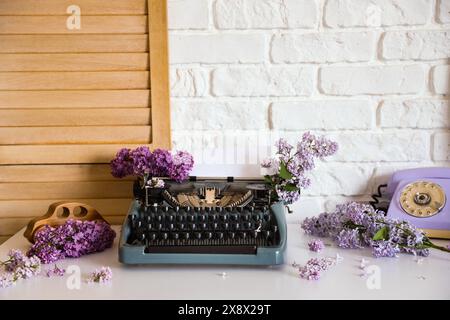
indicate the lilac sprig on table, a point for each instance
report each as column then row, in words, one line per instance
column 316, row 245
column 56, row 271
column 145, row 164
column 313, row 269
column 18, row 266
column 286, row 172
column 73, row 239
column 102, row 275
column 358, row 225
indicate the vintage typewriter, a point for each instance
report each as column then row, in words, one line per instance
column 204, row 221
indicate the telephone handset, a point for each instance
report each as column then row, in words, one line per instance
column 421, row 196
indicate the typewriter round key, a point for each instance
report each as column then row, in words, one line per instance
column 267, row 234
column 232, row 235
column 198, row 235
column 175, row 236
column 246, row 217
column 191, row 218
column 159, row 217
column 186, row 235
column 219, row 235
column 193, row 226
column 202, row 217
column 237, row 226
column 213, row 217
column 275, row 228
column 153, row 236
column 181, row 226
column 224, row 217
column 208, row 235
column 171, row 226
column 171, row 217
column 226, row 225
column 244, row 235
column 159, row 226
column 215, row 226
column 255, row 234
column 181, row 217
column 247, row 225
column 234, row 217
column 204, row 226
column 164, row 236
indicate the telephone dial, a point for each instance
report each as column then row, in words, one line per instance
column 421, row 196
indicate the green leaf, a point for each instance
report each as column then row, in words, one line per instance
column 284, row 172
column 290, row 187
column 268, row 179
column 381, row 234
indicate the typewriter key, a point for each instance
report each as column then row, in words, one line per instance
column 164, row 236
column 186, row 235
column 198, row 235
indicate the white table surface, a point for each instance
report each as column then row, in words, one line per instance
column 401, row 278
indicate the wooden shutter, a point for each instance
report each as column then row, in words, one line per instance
column 69, row 99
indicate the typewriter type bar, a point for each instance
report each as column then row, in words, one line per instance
column 205, row 221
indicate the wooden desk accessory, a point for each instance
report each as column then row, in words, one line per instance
column 58, row 213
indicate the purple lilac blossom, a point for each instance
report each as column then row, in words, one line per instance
column 122, row 164
column 18, row 266
column 73, row 239
column 7, row 280
column 56, row 271
column 102, row 275
column 313, row 268
column 316, row 245
column 288, row 186
column 183, row 162
column 161, row 160
column 142, row 165
column 145, row 164
column 355, row 225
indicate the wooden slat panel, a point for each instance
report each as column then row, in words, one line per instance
column 73, row 117
column 57, row 25
column 159, row 59
column 74, row 62
column 4, row 238
column 10, row 226
column 55, row 173
column 41, row 154
column 73, row 43
column 64, row 190
column 74, row 80
column 59, row 7
column 74, row 135
column 36, row 208
column 75, row 99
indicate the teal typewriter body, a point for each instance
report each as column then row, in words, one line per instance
column 204, row 221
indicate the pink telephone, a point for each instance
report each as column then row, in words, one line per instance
column 420, row 196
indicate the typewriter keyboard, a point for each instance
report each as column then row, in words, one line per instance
column 163, row 229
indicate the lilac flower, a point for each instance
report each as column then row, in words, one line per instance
column 21, row 265
column 286, row 172
column 183, row 162
column 102, row 275
column 141, row 161
column 18, row 266
column 122, row 164
column 316, row 245
column 385, row 249
column 356, row 225
column 161, row 160
column 7, row 280
column 313, row 268
column 73, row 239
column 349, row 238
column 145, row 164
column 56, row 271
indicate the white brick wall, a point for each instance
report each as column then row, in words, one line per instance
column 373, row 74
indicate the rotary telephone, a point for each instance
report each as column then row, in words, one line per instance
column 420, row 196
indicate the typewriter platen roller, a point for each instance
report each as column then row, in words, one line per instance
column 205, row 221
